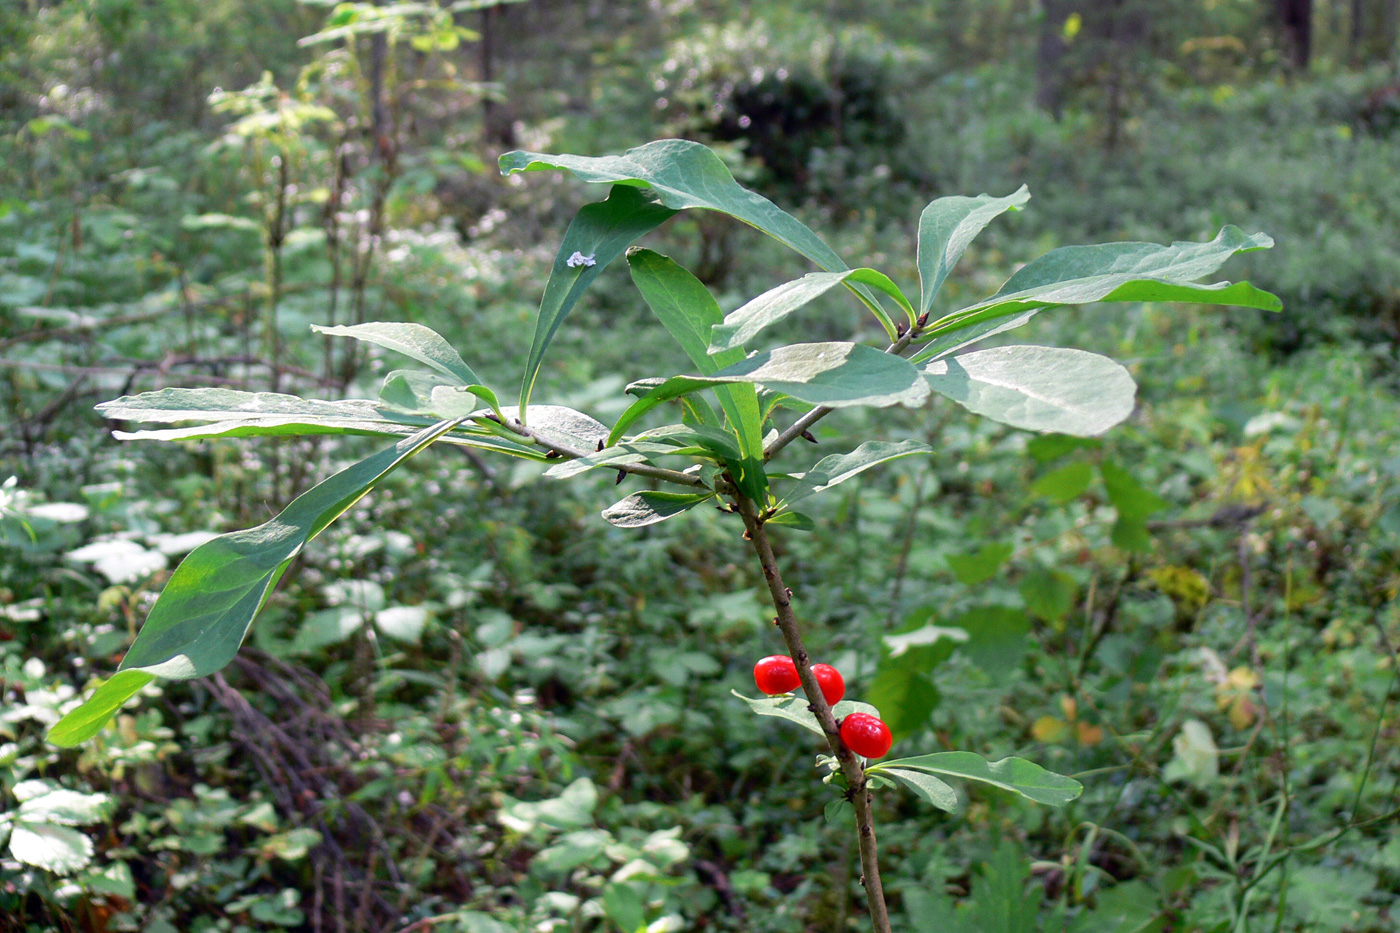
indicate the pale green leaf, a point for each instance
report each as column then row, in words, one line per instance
column 412, row 340
column 925, row 785
column 598, row 234
column 651, row 506
column 208, row 605
column 947, row 226
column 837, row 375
column 1047, row 389
column 53, row 848
column 1023, row 777
column 837, row 468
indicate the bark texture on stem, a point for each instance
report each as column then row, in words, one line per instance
column 850, row 764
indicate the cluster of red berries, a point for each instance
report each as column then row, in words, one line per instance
column 862, row 733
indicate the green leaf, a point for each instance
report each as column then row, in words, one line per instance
column 926, row 786
column 980, row 566
column 1117, row 272
column 837, row 468
column 794, row 520
column 65, row 807
column 687, row 310
column 87, row 720
column 207, row 607
column 411, row 391
column 1018, row 775
column 599, row 233
column 412, row 340
column 794, row 709
column 906, row 694
column 1064, row 483
column 685, row 175
column 996, row 638
column 1050, row 447
column 1132, row 499
column 625, row 907
column 53, row 848
column 1038, row 388
column 947, row 226
column 1049, row 594
column 651, row 506
column 218, row 404
column 774, row 305
column 837, row 375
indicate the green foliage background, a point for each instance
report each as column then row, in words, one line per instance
column 474, row 704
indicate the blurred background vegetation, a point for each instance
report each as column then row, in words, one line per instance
column 472, row 704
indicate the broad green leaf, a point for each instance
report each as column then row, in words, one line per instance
column 1038, row 388
column 66, row 808
column 996, row 639
column 208, row 605
column 685, row 175
column 1117, row 272
column 1130, row 497
column 651, row 506
column 599, row 233
column 947, row 226
column 687, row 310
column 794, row 709
column 1064, row 483
column 926, row 786
column 742, row 325
column 837, row 468
column 53, row 848
column 907, row 695
column 837, row 375
column 412, row 340
column 981, row 565
column 1049, row 594
column 1023, row 777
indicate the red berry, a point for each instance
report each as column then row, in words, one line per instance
column 829, row 679
column 776, row 674
column 866, row 735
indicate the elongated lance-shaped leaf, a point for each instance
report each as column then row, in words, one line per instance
column 838, row 375
column 219, row 404
column 1118, row 272
column 774, row 305
column 651, row 506
column 412, row 340
column 209, row 603
column 947, row 226
column 837, row 468
column 686, row 175
column 290, row 427
column 1038, row 388
column 1023, row 777
column 687, row 310
column 599, row 233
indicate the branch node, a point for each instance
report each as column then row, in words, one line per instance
column 808, row 436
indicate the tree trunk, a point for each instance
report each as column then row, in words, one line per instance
column 1049, row 81
column 1295, row 23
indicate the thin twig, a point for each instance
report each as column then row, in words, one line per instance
column 803, row 424
column 851, row 768
column 573, row 453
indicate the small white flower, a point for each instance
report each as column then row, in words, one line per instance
column 578, row 259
